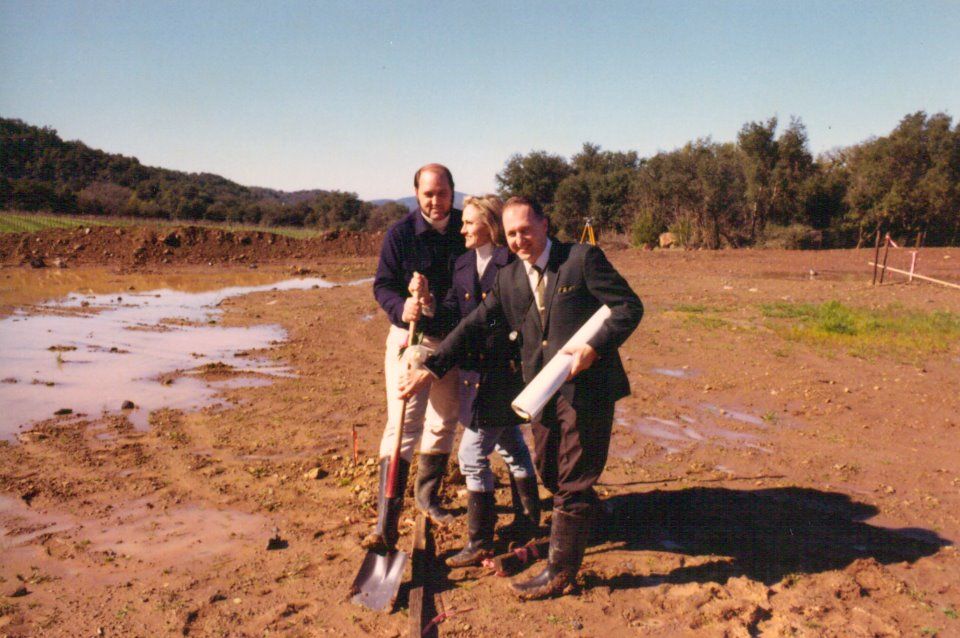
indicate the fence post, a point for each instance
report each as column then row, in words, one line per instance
column 886, row 252
column 876, row 257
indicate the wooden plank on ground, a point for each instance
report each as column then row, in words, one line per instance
column 916, row 276
column 423, row 580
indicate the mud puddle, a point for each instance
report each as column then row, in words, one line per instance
column 88, row 353
column 19, row 287
column 675, row 373
column 157, row 537
column 686, row 431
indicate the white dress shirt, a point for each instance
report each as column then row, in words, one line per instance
column 532, row 275
column 484, row 255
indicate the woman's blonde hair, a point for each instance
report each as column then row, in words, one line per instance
column 491, row 208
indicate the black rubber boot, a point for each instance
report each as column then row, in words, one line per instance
column 384, row 536
column 526, row 510
column 568, row 541
column 430, row 472
column 481, row 518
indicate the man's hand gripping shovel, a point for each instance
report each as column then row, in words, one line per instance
column 378, row 580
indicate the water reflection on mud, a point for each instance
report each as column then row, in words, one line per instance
column 684, row 432
column 163, row 537
column 20, row 287
column 676, row 373
column 90, row 353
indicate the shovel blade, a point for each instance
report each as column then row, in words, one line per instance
column 378, row 581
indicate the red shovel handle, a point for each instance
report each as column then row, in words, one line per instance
column 391, row 491
column 395, row 459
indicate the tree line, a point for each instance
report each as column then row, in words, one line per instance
column 764, row 189
column 40, row 171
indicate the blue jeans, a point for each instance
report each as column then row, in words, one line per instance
column 476, row 447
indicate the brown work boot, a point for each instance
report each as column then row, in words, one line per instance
column 568, row 541
column 385, row 535
column 430, row 471
column 481, row 518
column 526, row 511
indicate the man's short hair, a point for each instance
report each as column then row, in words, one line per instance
column 432, row 168
column 520, row 200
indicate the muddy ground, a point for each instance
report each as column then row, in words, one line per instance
column 757, row 484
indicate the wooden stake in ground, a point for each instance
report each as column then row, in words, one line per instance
column 356, row 444
column 886, row 252
column 423, row 580
column 876, row 256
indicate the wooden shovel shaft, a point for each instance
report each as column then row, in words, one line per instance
column 391, row 491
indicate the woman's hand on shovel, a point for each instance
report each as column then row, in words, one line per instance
column 413, row 382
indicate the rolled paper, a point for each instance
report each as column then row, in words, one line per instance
column 529, row 403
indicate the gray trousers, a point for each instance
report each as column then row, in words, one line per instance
column 476, row 447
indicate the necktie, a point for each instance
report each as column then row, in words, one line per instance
column 540, row 293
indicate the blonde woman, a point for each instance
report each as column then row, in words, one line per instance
column 490, row 377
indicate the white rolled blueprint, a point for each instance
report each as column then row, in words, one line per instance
column 529, row 403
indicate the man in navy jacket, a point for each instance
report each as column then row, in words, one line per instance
column 426, row 241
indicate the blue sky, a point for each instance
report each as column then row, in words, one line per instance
column 355, row 95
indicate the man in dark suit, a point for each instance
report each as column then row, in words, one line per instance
column 545, row 297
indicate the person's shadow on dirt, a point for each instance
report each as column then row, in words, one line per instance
column 768, row 533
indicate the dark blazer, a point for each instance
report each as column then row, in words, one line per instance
column 490, row 374
column 580, row 280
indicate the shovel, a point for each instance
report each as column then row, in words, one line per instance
column 378, row 580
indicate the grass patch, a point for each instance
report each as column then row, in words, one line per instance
column 705, row 321
column 690, row 308
column 700, row 315
column 27, row 223
column 16, row 222
column 865, row 332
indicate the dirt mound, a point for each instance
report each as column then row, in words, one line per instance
column 142, row 246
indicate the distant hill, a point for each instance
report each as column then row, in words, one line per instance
column 41, row 171
column 286, row 197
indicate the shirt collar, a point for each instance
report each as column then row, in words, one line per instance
column 485, row 251
column 484, row 254
column 424, row 223
column 541, row 260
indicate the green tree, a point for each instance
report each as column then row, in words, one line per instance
column 907, row 182
column 536, row 175
column 758, row 143
column 381, row 217
column 591, row 159
column 793, row 167
column 572, row 205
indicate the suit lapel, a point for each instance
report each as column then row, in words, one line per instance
column 524, row 303
column 553, row 268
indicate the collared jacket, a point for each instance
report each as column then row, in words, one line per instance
column 412, row 245
column 580, row 280
column 490, row 370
